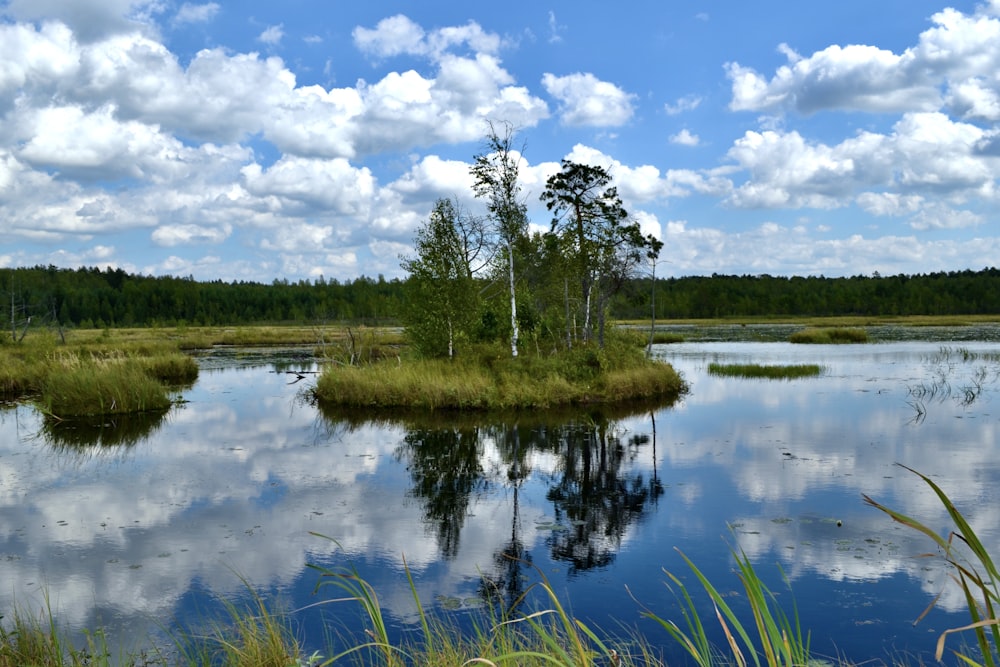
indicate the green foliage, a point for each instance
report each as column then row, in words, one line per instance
column 442, row 295
column 972, row 569
column 829, row 335
column 765, row 371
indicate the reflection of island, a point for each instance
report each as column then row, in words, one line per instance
column 78, row 435
column 595, row 498
column 445, row 466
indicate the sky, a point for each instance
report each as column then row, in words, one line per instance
column 253, row 140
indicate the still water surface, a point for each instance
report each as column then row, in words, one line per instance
column 140, row 525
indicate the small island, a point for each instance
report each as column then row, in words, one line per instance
column 497, row 318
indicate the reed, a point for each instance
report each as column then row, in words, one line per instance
column 972, row 569
column 830, row 335
column 33, row 640
column 254, row 634
column 774, row 638
column 781, row 372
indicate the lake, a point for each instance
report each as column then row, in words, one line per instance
column 143, row 524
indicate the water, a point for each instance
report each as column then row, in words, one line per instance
column 146, row 528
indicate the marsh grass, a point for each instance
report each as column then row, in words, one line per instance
column 828, row 335
column 81, row 388
column 255, row 634
column 972, row 569
column 773, row 636
column 781, row 372
column 36, row 640
column 487, row 378
column 550, row 636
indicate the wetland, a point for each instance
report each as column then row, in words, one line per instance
column 144, row 523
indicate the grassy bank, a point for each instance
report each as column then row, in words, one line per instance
column 489, row 379
column 93, row 377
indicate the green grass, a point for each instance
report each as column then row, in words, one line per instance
column 94, row 377
column 829, row 335
column 782, row 372
column 489, row 379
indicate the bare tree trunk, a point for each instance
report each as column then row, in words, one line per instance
column 652, row 319
column 451, row 340
column 569, row 321
column 513, row 300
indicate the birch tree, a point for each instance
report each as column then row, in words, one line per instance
column 444, row 297
column 495, row 180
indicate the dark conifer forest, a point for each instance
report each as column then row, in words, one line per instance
column 93, row 297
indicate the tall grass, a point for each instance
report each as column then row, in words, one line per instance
column 488, row 378
column 774, row 638
column 546, row 637
column 252, row 635
column 829, row 335
column 785, row 372
column 94, row 377
column 88, row 389
column 972, row 569
column 32, row 640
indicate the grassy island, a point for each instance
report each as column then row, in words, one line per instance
column 489, row 378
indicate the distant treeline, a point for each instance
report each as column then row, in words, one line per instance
column 92, row 297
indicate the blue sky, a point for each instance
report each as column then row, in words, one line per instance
column 255, row 140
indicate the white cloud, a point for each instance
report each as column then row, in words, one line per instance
column 685, row 138
column 889, row 203
column 555, row 29
column 321, row 186
column 939, row 216
column 192, row 13
column 90, row 20
column 955, row 53
column 398, row 35
column 586, row 100
column 925, row 152
column 177, row 235
column 686, row 103
column 272, row 35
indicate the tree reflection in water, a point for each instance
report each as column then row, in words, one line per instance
column 594, row 495
column 445, row 465
column 595, row 501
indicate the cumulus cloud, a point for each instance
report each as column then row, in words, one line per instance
column 685, row 138
column 90, row 20
column 586, row 100
column 925, row 152
column 953, row 54
column 191, row 13
column 399, row 35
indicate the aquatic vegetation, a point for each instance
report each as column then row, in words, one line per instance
column 774, row 635
column 489, row 379
column 783, row 371
column 972, row 569
column 94, row 376
column 829, row 335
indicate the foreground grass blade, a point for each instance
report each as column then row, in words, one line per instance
column 981, row 593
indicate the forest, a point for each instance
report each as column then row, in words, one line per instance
column 94, row 297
